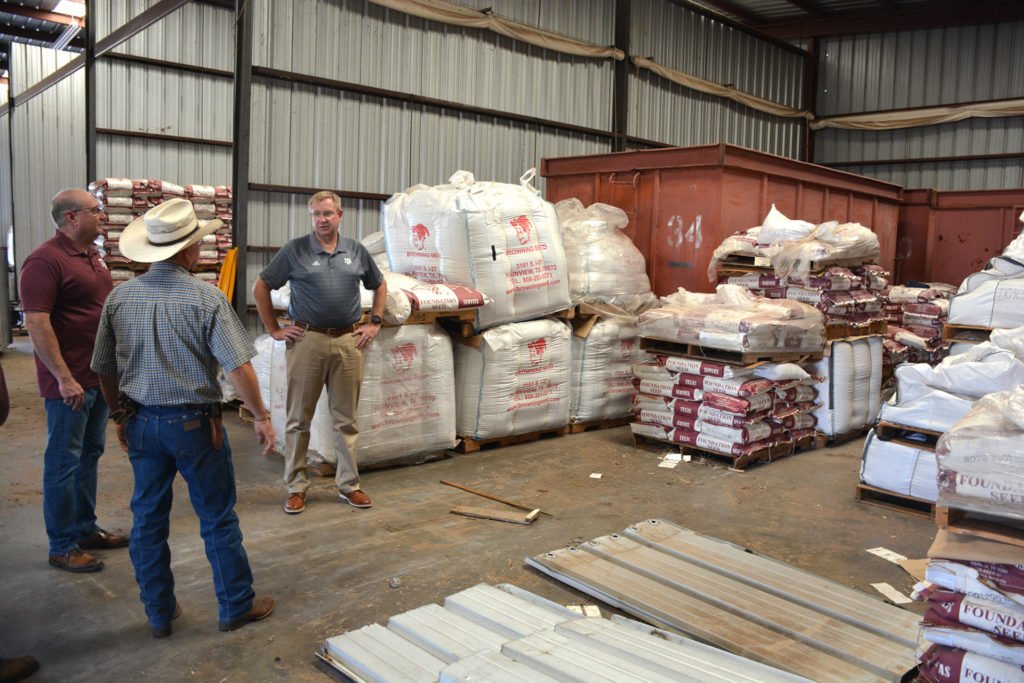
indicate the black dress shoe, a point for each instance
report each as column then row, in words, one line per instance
column 76, row 561
column 164, row 631
column 261, row 609
column 103, row 540
column 17, row 668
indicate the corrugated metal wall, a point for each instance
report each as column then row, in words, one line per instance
column 949, row 66
column 695, row 44
column 144, row 98
column 48, row 135
column 307, row 136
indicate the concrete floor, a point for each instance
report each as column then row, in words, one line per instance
column 329, row 568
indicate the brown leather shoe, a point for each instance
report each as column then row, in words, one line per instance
column 76, row 561
column 261, row 609
column 295, row 504
column 356, row 499
column 17, row 668
column 103, row 540
column 322, row 469
column 164, row 631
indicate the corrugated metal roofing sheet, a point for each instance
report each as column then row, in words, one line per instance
column 748, row 604
column 504, row 633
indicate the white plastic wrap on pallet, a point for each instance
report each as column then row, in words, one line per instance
column 984, row 369
column 516, row 381
column 931, row 409
column 604, row 265
column 850, row 389
column 407, row 400
column 501, row 239
column 899, row 468
column 601, row 379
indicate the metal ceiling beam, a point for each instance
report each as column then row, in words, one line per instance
column 808, row 7
column 42, row 15
column 998, row 11
column 38, row 35
column 736, row 10
column 691, row 6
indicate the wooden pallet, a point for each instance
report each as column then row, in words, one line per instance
column 608, row 423
column 1000, row 529
column 890, row 431
column 840, row 439
column 470, row 445
column 891, row 500
column 842, row 330
column 965, row 333
column 670, row 348
column 740, row 265
column 466, row 326
column 737, row 462
column 462, row 315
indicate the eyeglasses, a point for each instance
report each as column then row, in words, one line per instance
column 94, row 210
column 323, row 214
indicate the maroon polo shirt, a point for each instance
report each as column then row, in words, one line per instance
column 71, row 286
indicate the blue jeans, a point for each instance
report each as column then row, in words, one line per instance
column 163, row 441
column 74, row 444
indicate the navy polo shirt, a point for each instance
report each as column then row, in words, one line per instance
column 324, row 285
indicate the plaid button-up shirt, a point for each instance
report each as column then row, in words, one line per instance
column 166, row 333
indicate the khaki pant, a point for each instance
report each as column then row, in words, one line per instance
column 315, row 361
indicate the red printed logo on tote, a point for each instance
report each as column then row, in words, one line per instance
column 523, row 227
column 403, row 356
column 537, row 349
column 420, row 233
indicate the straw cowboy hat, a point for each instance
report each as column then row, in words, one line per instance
column 165, row 230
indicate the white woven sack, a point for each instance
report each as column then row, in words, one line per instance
column 601, row 378
column 899, row 468
column 501, row 239
column 407, row 400
column 836, row 390
column 516, row 381
column 860, row 404
column 875, row 347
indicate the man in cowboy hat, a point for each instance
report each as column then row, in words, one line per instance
column 63, row 285
column 325, row 345
column 161, row 339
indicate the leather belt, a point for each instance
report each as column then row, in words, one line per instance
column 330, row 331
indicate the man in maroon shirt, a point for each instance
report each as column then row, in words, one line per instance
column 63, row 286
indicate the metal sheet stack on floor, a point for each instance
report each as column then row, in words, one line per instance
column 505, row 634
column 750, row 605
column 752, row 408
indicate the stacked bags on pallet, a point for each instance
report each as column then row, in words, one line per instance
column 126, row 199
column 727, row 409
column 500, row 239
column 981, row 463
column 734, row 319
column 608, row 279
column 934, row 398
column 406, row 410
column 973, row 629
column 916, row 315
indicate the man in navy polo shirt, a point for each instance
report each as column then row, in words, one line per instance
column 63, row 285
column 325, row 345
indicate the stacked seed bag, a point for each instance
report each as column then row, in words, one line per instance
column 916, row 316
column 981, row 463
column 727, row 409
column 800, row 254
column 934, row 398
column 973, row 629
column 127, row 199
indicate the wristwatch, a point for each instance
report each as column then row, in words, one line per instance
column 376, row 319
